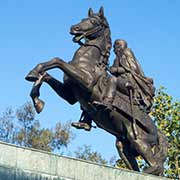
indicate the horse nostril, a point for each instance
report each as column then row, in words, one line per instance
column 76, row 28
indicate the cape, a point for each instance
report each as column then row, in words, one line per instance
column 144, row 84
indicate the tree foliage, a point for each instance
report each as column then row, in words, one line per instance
column 7, row 126
column 166, row 113
column 22, row 128
column 86, row 153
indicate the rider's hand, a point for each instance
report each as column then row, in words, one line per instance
column 113, row 70
column 129, row 85
column 120, row 70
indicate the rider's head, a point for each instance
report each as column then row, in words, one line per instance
column 119, row 45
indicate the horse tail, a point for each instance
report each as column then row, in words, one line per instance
column 161, row 148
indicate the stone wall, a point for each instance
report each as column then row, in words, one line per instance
column 18, row 163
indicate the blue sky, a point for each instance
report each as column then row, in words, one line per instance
column 35, row 31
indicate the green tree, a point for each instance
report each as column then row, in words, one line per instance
column 23, row 129
column 7, row 126
column 86, row 153
column 166, row 113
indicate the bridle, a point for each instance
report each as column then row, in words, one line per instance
column 90, row 32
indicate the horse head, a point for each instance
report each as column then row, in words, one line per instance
column 94, row 30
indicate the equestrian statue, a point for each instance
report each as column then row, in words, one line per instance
column 117, row 99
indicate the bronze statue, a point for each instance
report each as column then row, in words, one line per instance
column 87, row 81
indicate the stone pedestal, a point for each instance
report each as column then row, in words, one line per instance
column 18, row 163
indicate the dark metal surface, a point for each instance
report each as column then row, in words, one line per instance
column 118, row 103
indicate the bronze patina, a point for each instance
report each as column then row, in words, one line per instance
column 118, row 102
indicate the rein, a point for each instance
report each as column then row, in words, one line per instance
column 95, row 30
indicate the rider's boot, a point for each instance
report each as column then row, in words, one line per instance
column 81, row 125
column 85, row 122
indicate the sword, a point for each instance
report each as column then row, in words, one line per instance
column 134, row 125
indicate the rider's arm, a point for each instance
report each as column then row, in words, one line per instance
column 116, row 69
column 120, row 70
column 113, row 68
column 116, row 62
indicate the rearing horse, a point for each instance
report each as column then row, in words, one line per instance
column 85, row 81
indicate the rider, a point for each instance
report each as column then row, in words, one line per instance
column 128, row 76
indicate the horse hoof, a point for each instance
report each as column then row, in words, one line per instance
column 39, row 105
column 32, row 76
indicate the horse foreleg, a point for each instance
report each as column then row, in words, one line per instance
column 85, row 80
column 61, row 89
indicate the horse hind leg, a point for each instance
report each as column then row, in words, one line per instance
column 126, row 155
column 145, row 150
column 155, row 170
column 160, row 152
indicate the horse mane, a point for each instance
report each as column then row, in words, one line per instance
column 107, row 34
column 107, row 43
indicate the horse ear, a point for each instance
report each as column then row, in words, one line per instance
column 101, row 12
column 90, row 12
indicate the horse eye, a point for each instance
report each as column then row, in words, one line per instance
column 93, row 21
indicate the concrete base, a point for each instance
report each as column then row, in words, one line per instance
column 18, row 163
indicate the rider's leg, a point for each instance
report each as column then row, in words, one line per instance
column 123, row 85
column 113, row 84
column 110, row 90
column 109, row 94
